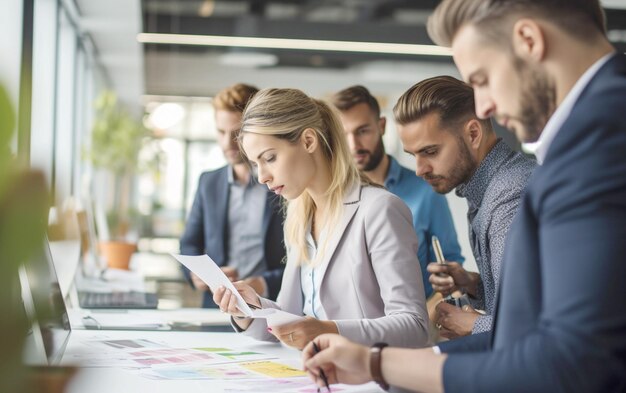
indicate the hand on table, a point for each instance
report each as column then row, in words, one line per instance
column 298, row 334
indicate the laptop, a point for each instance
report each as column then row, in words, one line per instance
column 117, row 300
column 99, row 299
column 45, row 307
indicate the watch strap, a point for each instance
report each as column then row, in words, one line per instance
column 375, row 365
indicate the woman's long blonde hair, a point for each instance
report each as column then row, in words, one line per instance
column 285, row 114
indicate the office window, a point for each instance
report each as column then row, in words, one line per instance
column 44, row 79
column 184, row 146
column 64, row 158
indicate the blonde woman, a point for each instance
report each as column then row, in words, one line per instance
column 351, row 247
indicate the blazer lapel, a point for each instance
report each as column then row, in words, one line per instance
column 290, row 296
column 350, row 206
column 221, row 213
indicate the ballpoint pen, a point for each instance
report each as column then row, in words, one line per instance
column 463, row 300
column 438, row 251
column 317, row 350
column 438, row 254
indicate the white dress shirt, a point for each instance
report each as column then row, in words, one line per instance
column 563, row 111
column 311, row 279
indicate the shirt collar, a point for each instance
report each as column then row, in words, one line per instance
column 562, row 112
column 231, row 177
column 352, row 193
column 474, row 189
column 393, row 174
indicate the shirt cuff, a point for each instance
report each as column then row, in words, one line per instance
column 437, row 350
column 482, row 324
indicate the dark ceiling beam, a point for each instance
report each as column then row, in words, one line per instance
column 250, row 26
column 373, row 10
column 381, row 9
column 615, row 19
column 257, row 7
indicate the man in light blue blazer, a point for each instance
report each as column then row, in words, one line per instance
column 545, row 70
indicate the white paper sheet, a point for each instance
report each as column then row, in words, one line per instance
column 276, row 317
column 205, row 268
column 208, row 271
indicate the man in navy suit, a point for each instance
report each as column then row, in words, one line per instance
column 545, row 70
column 234, row 219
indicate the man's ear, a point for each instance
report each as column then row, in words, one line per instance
column 529, row 40
column 473, row 132
column 382, row 124
column 309, row 140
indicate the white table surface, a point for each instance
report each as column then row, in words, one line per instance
column 118, row 380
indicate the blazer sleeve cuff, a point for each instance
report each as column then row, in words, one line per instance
column 351, row 329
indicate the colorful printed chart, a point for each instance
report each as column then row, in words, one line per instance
column 246, row 370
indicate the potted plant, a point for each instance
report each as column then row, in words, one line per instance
column 116, row 139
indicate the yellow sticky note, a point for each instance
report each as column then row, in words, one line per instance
column 273, row 369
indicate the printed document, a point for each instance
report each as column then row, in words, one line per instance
column 205, row 268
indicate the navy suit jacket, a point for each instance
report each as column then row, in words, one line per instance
column 560, row 322
column 206, row 231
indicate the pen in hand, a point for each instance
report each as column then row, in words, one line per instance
column 438, row 254
column 317, row 350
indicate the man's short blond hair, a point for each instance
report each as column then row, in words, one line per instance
column 493, row 17
column 234, row 98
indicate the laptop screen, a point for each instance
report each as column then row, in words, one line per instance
column 44, row 305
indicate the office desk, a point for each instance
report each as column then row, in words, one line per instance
column 185, row 319
column 101, row 380
column 156, row 273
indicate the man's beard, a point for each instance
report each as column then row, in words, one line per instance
column 537, row 101
column 461, row 172
column 375, row 157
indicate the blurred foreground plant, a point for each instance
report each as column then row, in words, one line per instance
column 23, row 215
